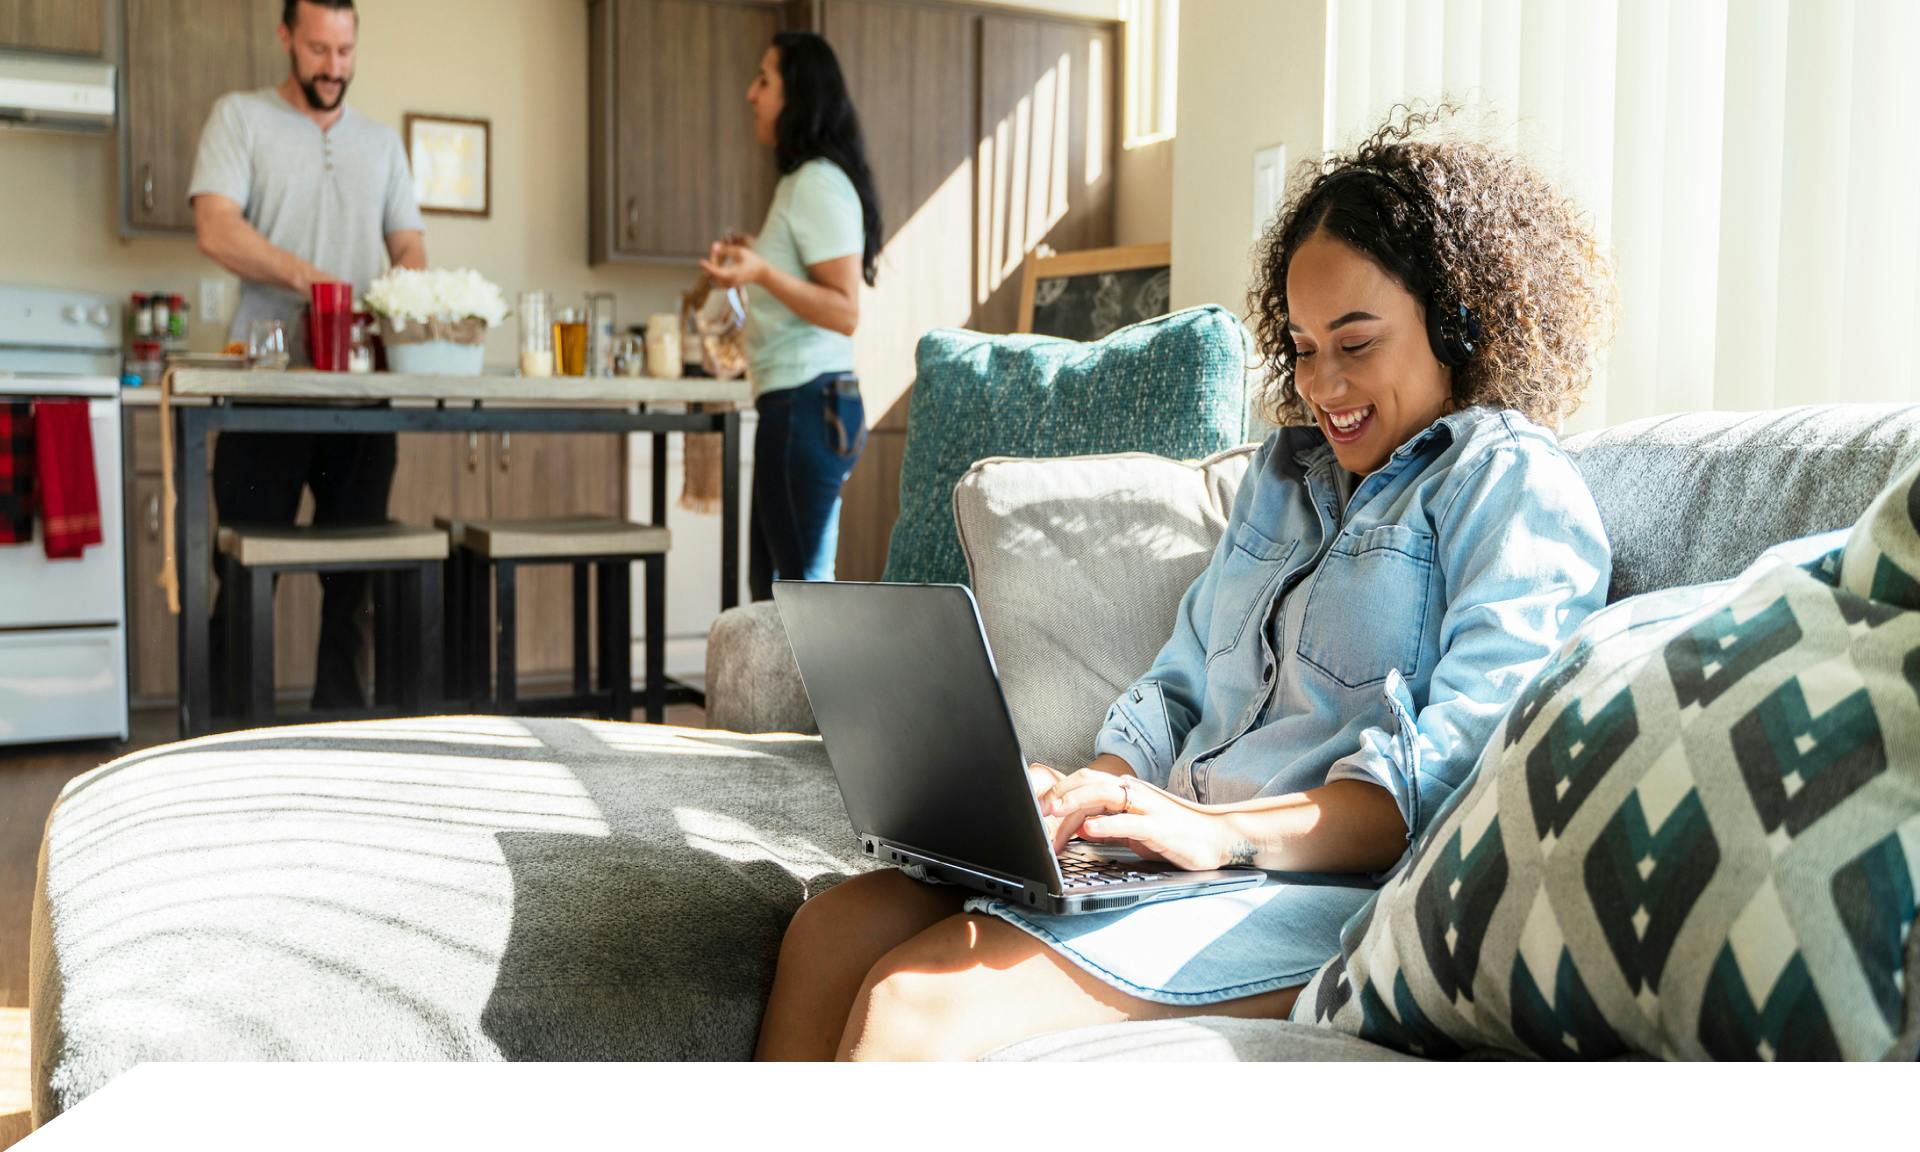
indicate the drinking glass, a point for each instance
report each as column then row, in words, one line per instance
column 536, row 334
column 600, row 321
column 570, row 342
column 267, row 345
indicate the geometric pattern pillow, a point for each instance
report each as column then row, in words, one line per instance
column 1174, row 386
column 1697, row 836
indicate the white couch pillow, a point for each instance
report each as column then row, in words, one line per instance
column 1079, row 564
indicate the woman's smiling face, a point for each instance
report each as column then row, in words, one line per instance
column 1362, row 362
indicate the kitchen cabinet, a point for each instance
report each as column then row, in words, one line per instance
column 672, row 159
column 71, row 26
column 490, row 474
column 180, row 56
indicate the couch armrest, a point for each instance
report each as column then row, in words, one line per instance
column 753, row 684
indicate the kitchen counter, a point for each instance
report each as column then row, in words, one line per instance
column 191, row 383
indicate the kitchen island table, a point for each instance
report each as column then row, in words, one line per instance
column 331, row 402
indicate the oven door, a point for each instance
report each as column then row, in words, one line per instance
column 36, row 592
column 62, row 684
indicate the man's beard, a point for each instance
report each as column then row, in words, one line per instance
column 311, row 87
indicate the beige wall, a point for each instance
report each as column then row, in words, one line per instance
column 1252, row 74
column 1143, row 194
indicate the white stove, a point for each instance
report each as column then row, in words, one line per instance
column 63, row 623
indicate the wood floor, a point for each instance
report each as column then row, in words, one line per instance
column 30, row 780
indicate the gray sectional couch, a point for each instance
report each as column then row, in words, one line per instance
column 494, row 888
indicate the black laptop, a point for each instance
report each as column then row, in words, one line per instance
column 904, row 690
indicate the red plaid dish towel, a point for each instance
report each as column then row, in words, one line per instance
column 16, row 472
column 69, row 493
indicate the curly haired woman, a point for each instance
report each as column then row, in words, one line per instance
column 1394, row 569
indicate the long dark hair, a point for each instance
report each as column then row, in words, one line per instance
column 818, row 121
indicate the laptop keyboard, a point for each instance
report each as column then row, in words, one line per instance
column 1088, row 870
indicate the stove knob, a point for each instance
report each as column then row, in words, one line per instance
column 100, row 316
column 75, row 314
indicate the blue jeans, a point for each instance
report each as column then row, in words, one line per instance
column 805, row 448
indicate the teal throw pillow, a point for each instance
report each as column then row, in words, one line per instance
column 1697, row 835
column 1174, row 386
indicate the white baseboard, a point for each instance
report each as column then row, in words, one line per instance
column 686, row 657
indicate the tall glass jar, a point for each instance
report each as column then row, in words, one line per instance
column 536, row 334
column 600, row 323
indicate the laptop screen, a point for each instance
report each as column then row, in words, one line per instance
column 904, row 691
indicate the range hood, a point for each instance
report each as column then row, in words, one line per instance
column 56, row 92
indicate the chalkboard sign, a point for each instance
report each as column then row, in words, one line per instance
column 1086, row 295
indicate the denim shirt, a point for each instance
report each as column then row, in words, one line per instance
column 1455, row 570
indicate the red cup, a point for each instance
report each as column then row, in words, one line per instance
column 330, row 327
column 331, row 295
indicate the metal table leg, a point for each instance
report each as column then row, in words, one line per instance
column 192, row 529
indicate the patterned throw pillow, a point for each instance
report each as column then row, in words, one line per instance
column 1174, row 386
column 1697, row 836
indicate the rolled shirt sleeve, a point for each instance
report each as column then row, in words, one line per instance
column 1524, row 559
column 401, row 212
column 223, row 164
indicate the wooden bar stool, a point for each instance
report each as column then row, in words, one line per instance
column 600, row 550
column 408, row 673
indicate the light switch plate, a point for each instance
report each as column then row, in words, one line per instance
column 1269, row 185
column 213, row 301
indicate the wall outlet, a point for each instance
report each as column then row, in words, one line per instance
column 1269, row 185
column 213, row 301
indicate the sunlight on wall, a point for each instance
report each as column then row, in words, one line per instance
column 1024, row 168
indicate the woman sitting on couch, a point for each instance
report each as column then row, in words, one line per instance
column 1395, row 568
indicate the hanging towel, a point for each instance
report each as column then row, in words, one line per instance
column 16, row 472
column 63, row 468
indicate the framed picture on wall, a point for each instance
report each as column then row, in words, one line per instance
column 452, row 162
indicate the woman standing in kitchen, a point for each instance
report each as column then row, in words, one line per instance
column 802, row 275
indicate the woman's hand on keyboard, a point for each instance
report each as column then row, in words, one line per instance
column 1114, row 808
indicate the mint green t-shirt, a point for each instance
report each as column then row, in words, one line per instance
column 815, row 217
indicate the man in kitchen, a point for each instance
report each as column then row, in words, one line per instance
column 292, row 187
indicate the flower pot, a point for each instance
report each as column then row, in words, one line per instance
column 435, row 347
column 436, row 358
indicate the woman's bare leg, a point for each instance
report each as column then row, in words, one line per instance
column 833, row 941
column 970, row 984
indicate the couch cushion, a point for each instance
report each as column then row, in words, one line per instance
column 1079, row 565
column 457, row 888
column 1698, row 835
column 1174, row 386
column 1698, row 496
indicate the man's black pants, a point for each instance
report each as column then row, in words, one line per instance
column 257, row 477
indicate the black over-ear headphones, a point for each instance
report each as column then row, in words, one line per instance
column 1453, row 335
column 1453, row 338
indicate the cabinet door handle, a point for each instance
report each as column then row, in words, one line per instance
column 153, row 516
column 506, row 451
column 146, row 186
column 633, row 217
column 473, row 451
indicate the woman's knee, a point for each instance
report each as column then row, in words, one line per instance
column 884, row 907
column 917, row 999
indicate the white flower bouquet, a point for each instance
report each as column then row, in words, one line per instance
column 435, row 321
